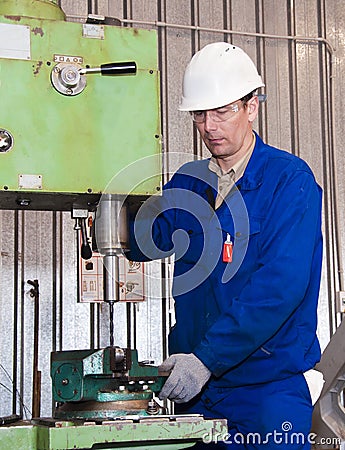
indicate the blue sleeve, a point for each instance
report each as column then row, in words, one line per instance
column 288, row 274
column 151, row 228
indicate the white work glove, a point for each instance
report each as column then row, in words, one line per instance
column 188, row 376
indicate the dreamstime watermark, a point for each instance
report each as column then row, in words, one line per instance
column 285, row 436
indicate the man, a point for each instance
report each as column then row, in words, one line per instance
column 245, row 228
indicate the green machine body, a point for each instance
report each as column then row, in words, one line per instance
column 80, row 109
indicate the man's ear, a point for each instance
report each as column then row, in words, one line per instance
column 253, row 108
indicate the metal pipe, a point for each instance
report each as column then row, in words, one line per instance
column 334, row 184
column 16, row 331
column 162, row 24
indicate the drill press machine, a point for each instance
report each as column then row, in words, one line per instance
column 69, row 121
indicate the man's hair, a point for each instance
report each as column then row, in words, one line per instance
column 247, row 97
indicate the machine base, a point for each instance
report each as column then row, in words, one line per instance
column 130, row 432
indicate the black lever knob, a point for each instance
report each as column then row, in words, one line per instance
column 116, row 68
column 86, row 252
column 119, row 68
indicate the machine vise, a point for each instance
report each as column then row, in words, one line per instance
column 105, row 383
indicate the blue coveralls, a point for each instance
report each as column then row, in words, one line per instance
column 251, row 321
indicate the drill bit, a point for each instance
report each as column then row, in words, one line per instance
column 111, row 322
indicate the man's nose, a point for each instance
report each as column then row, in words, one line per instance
column 209, row 123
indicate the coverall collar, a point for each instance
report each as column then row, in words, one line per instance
column 253, row 175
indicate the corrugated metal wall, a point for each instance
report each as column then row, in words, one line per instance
column 299, row 50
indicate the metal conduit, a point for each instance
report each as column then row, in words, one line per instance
column 160, row 24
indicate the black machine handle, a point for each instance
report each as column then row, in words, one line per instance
column 86, row 252
column 111, row 69
column 119, row 68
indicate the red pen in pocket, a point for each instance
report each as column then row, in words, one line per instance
column 227, row 249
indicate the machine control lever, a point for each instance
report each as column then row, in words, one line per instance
column 116, row 68
column 85, row 252
column 69, row 79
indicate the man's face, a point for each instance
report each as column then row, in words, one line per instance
column 229, row 139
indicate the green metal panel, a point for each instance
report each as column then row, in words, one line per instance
column 77, row 144
column 144, row 434
column 150, row 434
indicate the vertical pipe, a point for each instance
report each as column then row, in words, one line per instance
column 164, row 98
column 195, row 46
column 61, row 281
column 54, row 268
column 293, row 97
column 226, row 26
column 15, row 312
column 124, row 8
column 339, row 275
column 329, row 235
column 325, row 80
column 260, row 52
column 89, row 7
column 127, row 9
column 54, row 302
column 163, row 65
column 21, row 258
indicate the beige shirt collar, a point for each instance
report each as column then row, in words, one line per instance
column 227, row 180
column 237, row 169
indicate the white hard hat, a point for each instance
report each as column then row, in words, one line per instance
column 217, row 75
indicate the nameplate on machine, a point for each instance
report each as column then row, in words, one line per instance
column 14, row 41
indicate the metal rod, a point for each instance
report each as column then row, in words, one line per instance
column 36, row 383
column 84, row 71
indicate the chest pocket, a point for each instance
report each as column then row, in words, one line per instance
column 248, row 230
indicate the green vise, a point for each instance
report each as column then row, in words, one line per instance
column 103, row 383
